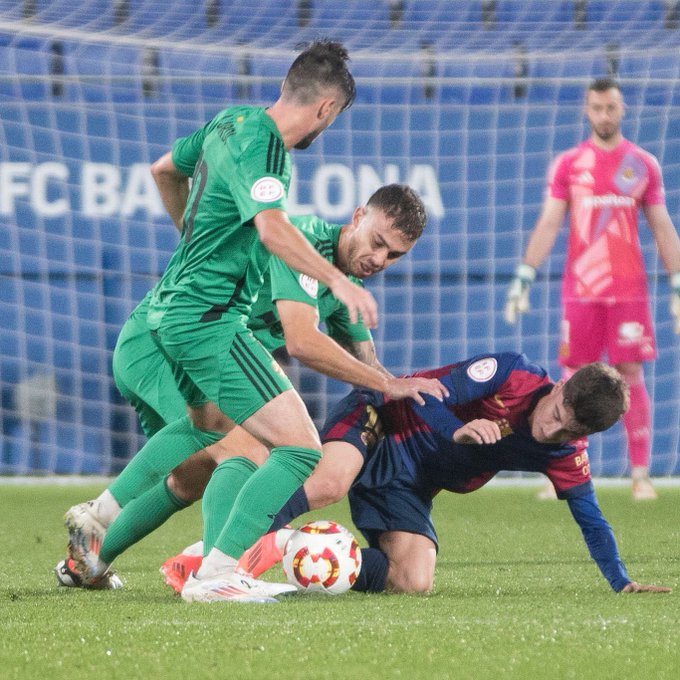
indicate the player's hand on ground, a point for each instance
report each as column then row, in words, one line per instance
column 357, row 300
column 634, row 587
column 480, row 431
column 402, row 388
column 517, row 298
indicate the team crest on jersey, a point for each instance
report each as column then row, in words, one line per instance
column 372, row 431
column 309, row 285
column 504, row 426
column 482, row 370
column 628, row 174
column 267, row 190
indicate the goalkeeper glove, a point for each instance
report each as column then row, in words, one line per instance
column 517, row 300
column 675, row 301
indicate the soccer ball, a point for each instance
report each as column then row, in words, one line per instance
column 322, row 557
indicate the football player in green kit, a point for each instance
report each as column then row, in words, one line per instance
column 148, row 491
column 199, row 357
column 233, row 219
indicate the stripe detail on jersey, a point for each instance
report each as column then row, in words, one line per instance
column 254, row 370
column 216, row 311
column 325, row 248
column 276, row 155
column 350, row 421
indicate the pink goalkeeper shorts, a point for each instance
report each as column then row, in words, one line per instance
column 622, row 330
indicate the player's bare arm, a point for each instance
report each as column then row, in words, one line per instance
column 479, row 431
column 365, row 352
column 668, row 245
column 545, row 232
column 282, row 239
column 540, row 244
column 305, row 342
column 665, row 235
column 173, row 187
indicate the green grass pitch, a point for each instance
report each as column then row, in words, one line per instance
column 516, row 596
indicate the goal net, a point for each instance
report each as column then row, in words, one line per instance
column 84, row 113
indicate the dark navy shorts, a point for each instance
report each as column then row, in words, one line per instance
column 385, row 495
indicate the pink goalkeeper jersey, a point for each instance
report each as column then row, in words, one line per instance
column 604, row 190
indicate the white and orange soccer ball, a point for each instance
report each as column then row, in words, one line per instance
column 322, row 557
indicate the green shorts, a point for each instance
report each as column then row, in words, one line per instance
column 143, row 375
column 222, row 362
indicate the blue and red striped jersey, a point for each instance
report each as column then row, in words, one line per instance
column 503, row 387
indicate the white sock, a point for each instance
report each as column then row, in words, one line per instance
column 194, row 549
column 101, row 568
column 281, row 538
column 216, row 562
column 108, row 508
column 639, row 473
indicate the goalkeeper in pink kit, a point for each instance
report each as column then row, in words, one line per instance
column 602, row 183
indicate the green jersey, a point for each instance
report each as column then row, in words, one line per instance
column 283, row 283
column 240, row 167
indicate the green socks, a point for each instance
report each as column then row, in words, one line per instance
column 239, row 503
column 138, row 519
column 162, row 453
column 262, row 496
column 220, row 494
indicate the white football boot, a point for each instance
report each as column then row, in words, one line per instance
column 233, row 587
column 86, row 533
column 68, row 577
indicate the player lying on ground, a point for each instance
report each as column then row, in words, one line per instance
column 288, row 312
column 393, row 457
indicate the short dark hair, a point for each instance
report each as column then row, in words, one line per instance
column 603, row 84
column 598, row 395
column 321, row 66
column 403, row 205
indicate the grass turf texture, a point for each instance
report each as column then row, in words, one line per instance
column 516, row 596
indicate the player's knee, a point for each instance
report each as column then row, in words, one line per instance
column 409, row 576
column 208, row 417
column 325, row 491
column 405, row 579
column 180, row 489
column 188, row 480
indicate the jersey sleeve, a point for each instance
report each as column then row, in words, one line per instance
column 599, row 538
column 558, row 178
column 479, row 377
column 187, row 150
column 654, row 193
column 343, row 331
column 288, row 284
column 570, row 474
column 259, row 177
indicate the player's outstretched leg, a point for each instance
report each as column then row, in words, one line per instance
column 232, row 587
column 265, row 553
column 86, row 531
column 176, row 569
column 68, row 577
